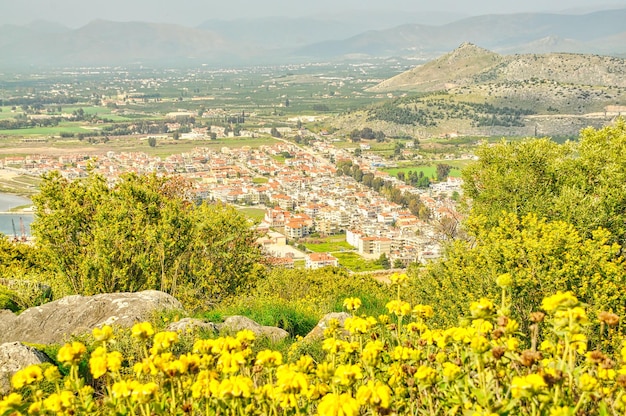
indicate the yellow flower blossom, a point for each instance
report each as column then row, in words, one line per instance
column 347, row 374
column 71, row 353
column 338, row 405
column 269, row 358
column 27, row 376
column 451, row 371
column 357, row 325
column 162, row 341
column 559, row 301
column 606, row 373
column 103, row 334
column 142, row 331
column 482, row 309
column 290, row 381
column 425, row 375
column 398, row 307
column 398, row 278
column 587, row 382
column 527, row 386
column 374, row 393
column 245, row 336
column 237, row 386
column 423, row 311
column 371, row 352
column 59, row 402
column 10, row 402
column 352, row 304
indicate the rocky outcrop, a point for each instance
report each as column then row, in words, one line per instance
column 15, row 356
column 232, row 324
column 317, row 333
column 191, row 324
column 57, row 321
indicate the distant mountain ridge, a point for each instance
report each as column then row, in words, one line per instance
column 283, row 40
column 597, row 32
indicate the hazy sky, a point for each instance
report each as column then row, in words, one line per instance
column 75, row 13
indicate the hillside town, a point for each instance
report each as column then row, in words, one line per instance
column 298, row 188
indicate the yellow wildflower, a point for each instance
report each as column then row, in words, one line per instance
column 482, row 309
column 423, row 311
column 245, row 336
column 398, row 307
column 142, row 331
column 10, row 402
column 398, row 278
column 352, row 304
column 71, row 353
column 559, row 301
column 606, row 373
column 26, row 376
column 103, row 334
column 237, row 386
column 334, row 404
column 290, row 381
column 425, row 375
column 121, row 389
column 347, row 374
column 374, row 393
column 450, row 371
column 587, row 382
column 163, row 341
column 527, row 386
column 59, row 402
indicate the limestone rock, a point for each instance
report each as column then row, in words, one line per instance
column 190, row 324
column 56, row 321
column 236, row 323
column 15, row 356
column 317, row 333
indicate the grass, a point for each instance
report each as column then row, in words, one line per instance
column 254, row 213
column 356, row 263
column 428, row 170
column 328, row 247
column 260, row 179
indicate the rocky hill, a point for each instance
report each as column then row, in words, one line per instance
column 470, row 65
column 474, row 91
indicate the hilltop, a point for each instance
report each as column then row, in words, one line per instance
column 476, row 92
column 470, row 65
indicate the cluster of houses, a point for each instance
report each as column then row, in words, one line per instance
column 300, row 189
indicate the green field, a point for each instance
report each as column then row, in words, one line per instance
column 254, row 213
column 429, row 171
column 328, row 247
column 352, row 261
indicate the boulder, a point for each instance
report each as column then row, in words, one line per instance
column 317, row 333
column 15, row 356
column 191, row 324
column 236, row 323
column 57, row 321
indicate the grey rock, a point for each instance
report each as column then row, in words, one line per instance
column 57, row 321
column 15, row 356
column 236, row 323
column 191, row 324
column 317, row 333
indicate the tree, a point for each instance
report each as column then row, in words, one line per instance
column 274, row 132
column 443, row 169
column 398, row 264
column 176, row 135
column 152, row 141
column 142, row 233
column 580, row 183
column 383, row 260
column 536, row 257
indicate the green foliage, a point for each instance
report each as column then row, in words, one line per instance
column 142, row 233
column 538, row 256
column 317, row 292
column 580, row 183
column 8, row 299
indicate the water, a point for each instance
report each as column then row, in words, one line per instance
column 8, row 220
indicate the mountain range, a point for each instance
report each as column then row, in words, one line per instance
column 282, row 40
